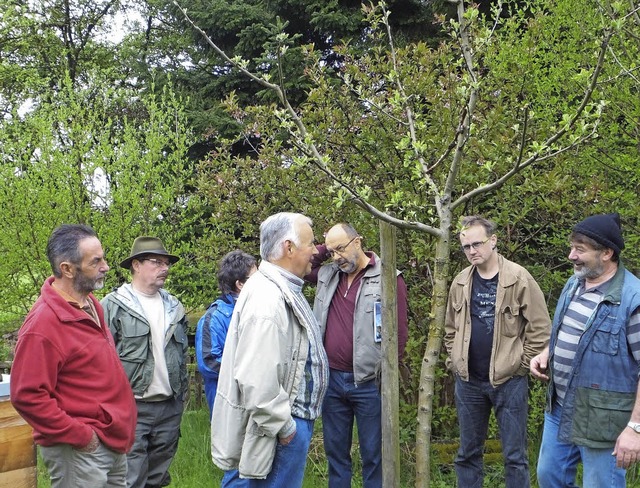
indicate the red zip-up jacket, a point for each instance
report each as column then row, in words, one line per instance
column 67, row 379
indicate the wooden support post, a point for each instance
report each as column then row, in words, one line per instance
column 390, row 382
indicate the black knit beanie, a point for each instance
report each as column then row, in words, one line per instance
column 604, row 229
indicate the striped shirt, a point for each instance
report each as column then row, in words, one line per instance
column 583, row 305
column 314, row 383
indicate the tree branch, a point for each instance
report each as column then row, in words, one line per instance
column 552, row 139
column 410, row 118
column 307, row 146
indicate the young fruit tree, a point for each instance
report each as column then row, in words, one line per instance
column 413, row 132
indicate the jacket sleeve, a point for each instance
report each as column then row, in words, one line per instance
column 210, row 338
column 109, row 319
column 449, row 326
column 259, row 370
column 537, row 324
column 33, row 392
column 403, row 327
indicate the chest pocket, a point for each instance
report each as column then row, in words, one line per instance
column 606, row 342
column 457, row 308
column 370, row 294
column 510, row 320
column 606, row 338
column 134, row 341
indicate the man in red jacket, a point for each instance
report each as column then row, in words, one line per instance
column 66, row 379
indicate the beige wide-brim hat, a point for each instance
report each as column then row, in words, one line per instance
column 147, row 245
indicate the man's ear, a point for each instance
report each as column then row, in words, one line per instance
column 607, row 254
column 67, row 269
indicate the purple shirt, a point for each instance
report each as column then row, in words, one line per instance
column 338, row 339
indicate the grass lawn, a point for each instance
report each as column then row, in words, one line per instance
column 192, row 466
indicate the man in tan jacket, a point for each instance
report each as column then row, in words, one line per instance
column 496, row 322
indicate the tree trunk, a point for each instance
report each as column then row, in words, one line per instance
column 430, row 359
column 390, row 383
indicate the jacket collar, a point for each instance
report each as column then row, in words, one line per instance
column 506, row 276
column 614, row 293
column 125, row 295
column 65, row 311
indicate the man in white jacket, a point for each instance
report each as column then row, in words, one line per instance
column 274, row 371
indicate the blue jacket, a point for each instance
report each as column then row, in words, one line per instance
column 602, row 388
column 211, row 334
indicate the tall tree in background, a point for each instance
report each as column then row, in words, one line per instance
column 46, row 43
column 164, row 44
column 77, row 144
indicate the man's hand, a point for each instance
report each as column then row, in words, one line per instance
column 540, row 364
column 93, row 443
column 627, row 450
column 286, row 440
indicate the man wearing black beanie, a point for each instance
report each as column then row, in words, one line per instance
column 593, row 361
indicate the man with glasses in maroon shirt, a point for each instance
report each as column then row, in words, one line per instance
column 348, row 292
column 149, row 327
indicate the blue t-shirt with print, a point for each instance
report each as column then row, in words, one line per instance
column 483, row 308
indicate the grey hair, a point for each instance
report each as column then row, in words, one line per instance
column 471, row 220
column 64, row 243
column 275, row 230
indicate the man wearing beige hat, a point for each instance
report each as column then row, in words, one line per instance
column 149, row 329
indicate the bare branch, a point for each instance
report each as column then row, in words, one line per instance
column 453, row 143
column 552, row 139
column 308, row 147
column 467, row 113
column 410, row 118
column 235, row 64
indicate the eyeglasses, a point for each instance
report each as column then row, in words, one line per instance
column 158, row 263
column 341, row 249
column 476, row 245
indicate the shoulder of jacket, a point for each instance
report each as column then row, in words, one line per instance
column 463, row 276
column 514, row 270
column 327, row 271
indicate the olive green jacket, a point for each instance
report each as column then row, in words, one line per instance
column 132, row 335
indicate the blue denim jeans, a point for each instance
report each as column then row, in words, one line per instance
column 558, row 461
column 231, row 479
column 474, row 402
column 288, row 466
column 344, row 401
